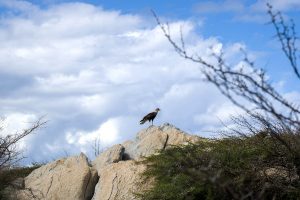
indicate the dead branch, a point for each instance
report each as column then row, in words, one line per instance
column 9, row 152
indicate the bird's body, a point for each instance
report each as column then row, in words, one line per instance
column 150, row 117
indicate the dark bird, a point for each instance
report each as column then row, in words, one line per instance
column 150, row 117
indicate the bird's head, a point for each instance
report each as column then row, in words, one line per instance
column 157, row 109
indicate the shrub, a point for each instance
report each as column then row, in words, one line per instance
column 232, row 168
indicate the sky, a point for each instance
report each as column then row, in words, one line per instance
column 95, row 68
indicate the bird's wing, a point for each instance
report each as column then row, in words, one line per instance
column 149, row 116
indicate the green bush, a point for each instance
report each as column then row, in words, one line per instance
column 255, row 167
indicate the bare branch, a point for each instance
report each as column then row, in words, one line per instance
column 287, row 37
column 9, row 152
column 249, row 88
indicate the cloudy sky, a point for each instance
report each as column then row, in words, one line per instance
column 94, row 68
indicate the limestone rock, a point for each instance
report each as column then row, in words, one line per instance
column 176, row 136
column 119, row 181
column 119, row 175
column 154, row 138
column 280, row 172
column 68, row 179
column 115, row 170
column 111, row 155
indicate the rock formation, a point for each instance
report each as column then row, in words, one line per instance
column 68, row 179
column 114, row 174
column 152, row 139
column 120, row 181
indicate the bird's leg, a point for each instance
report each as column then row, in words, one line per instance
column 152, row 122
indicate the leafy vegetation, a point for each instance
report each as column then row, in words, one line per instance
column 257, row 167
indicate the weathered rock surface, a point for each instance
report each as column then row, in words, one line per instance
column 119, row 181
column 280, row 173
column 119, row 174
column 111, row 155
column 68, row 179
column 154, row 138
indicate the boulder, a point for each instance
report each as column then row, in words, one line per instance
column 155, row 138
column 68, row 179
column 115, row 170
column 119, row 175
column 111, row 155
column 120, row 181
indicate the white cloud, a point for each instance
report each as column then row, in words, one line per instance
column 16, row 123
column 224, row 6
column 257, row 12
column 216, row 116
column 61, row 38
column 240, row 7
column 96, row 73
column 97, row 104
column 246, row 12
column 261, row 5
column 18, row 5
column 107, row 133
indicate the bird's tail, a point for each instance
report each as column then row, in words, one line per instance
column 142, row 121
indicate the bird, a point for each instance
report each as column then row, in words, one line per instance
column 150, row 116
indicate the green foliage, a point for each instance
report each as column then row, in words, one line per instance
column 233, row 168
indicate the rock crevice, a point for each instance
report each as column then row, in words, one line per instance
column 113, row 175
column 119, row 175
